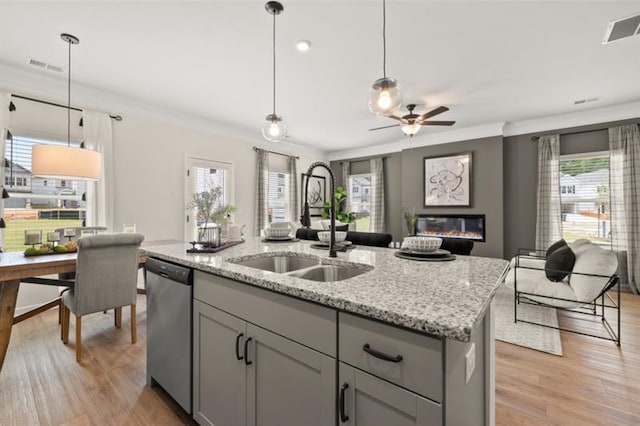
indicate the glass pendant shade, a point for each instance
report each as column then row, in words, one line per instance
column 63, row 162
column 384, row 96
column 410, row 129
column 274, row 129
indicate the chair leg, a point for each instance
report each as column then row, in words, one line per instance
column 65, row 324
column 117, row 318
column 78, row 338
column 134, row 330
column 60, row 312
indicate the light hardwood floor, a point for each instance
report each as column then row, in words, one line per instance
column 594, row 383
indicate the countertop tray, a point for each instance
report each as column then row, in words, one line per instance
column 221, row 247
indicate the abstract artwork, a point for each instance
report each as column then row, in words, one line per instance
column 317, row 193
column 447, row 180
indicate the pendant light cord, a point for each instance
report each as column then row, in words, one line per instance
column 274, row 64
column 69, row 99
column 384, row 39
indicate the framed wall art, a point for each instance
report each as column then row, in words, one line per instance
column 447, row 180
column 317, row 194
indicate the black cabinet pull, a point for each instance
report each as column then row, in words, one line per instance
column 238, row 356
column 343, row 416
column 246, row 350
column 381, row 355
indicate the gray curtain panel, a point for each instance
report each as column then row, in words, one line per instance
column 624, row 190
column 293, row 189
column 549, row 209
column 262, row 190
column 346, row 171
column 376, row 220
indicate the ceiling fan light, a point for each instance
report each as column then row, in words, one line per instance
column 384, row 96
column 274, row 128
column 410, row 129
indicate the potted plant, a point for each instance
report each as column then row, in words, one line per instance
column 342, row 214
column 209, row 209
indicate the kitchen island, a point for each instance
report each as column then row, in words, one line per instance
column 399, row 340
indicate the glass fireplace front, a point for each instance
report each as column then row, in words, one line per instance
column 466, row 227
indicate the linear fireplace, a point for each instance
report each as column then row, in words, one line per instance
column 462, row 226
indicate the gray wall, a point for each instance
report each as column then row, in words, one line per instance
column 521, row 176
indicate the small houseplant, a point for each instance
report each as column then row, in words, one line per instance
column 208, row 208
column 342, row 214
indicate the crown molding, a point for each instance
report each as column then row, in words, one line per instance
column 29, row 83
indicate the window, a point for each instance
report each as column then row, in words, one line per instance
column 63, row 184
column 360, row 199
column 34, row 205
column 584, row 194
column 278, row 197
column 204, row 175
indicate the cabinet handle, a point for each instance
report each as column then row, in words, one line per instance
column 343, row 417
column 238, row 356
column 246, row 350
column 381, row 355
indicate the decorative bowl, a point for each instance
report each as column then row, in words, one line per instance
column 280, row 225
column 277, row 232
column 425, row 244
column 325, row 236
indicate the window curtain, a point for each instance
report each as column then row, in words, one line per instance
column 98, row 136
column 549, row 209
column 624, row 190
column 262, row 190
column 293, row 189
column 5, row 100
column 376, row 220
column 346, row 171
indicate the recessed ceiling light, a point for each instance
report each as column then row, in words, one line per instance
column 303, row 45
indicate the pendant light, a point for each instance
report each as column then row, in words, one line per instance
column 384, row 94
column 66, row 162
column 274, row 129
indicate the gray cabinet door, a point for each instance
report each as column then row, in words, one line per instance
column 219, row 378
column 369, row 401
column 287, row 383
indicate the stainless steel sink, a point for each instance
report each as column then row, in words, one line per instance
column 278, row 264
column 329, row 273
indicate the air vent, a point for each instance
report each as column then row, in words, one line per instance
column 44, row 65
column 584, row 101
column 622, row 28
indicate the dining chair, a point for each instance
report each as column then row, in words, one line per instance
column 106, row 278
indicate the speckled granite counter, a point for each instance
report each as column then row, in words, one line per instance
column 446, row 299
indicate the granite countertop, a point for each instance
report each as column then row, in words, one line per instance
column 445, row 299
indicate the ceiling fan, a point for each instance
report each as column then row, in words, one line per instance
column 411, row 122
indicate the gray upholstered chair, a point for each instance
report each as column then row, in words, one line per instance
column 106, row 278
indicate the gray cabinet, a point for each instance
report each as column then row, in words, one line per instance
column 219, row 377
column 287, row 383
column 366, row 400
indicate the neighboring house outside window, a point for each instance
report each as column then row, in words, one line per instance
column 278, row 200
column 360, row 199
column 584, row 194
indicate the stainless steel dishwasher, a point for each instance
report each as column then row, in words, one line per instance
column 169, row 317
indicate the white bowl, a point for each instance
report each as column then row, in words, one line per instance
column 425, row 244
column 280, row 225
column 277, row 232
column 325, row 236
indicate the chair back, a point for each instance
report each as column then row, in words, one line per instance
column 457, row 246
column 373, row 239
column 106, row 272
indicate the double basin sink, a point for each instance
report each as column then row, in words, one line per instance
column 308, row 268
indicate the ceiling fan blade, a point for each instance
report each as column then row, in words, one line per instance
column 433, row 112
column 437, row 123
column 384, row 127
column 395, row 117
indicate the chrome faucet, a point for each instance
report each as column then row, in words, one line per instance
column 305, row 219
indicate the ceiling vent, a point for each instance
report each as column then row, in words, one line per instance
column 44, row 65
column 622, row 28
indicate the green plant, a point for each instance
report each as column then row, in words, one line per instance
column 209, row 208
column 342, row 214
column 410, row 219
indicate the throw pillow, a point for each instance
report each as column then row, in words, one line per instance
column 559, row 264
column 555, row 246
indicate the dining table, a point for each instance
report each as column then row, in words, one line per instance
column 15, row 268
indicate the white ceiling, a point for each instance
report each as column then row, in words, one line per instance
column 487, row 61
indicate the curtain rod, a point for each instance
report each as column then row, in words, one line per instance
column 535, row 138
column 255, row 148
column 12, row 107
column 384, row 157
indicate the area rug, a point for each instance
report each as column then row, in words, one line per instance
column 522, row 334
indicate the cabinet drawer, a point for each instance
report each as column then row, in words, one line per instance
column 304, row 322
column 414, row 361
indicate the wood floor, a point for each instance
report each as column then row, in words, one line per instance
column 594, row 383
